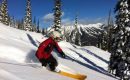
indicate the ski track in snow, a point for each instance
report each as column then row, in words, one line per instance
column 4, row 75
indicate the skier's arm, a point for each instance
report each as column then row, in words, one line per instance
column 59, row 50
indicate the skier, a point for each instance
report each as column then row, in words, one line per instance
column 45, row 51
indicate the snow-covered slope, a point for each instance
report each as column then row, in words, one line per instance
column 18, row 61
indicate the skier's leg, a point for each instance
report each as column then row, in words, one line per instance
column 43, row 62
column 52, row 63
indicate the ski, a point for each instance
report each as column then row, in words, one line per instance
column 74, row 76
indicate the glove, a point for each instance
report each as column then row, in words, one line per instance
column 62, row 54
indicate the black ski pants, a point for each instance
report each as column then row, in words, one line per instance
column 51, row 61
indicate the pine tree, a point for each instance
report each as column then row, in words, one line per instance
column 34, row 25
column 12, row 21
column 104, row 40
column 1, row 12
column 20, row 24
column 57, row 16
column 99, row 40
column 4, row 16
column 106, row 35
column 77, row 39
column 57, row 19
column 28, row 17
column 120, row 39
column 109, row 32
column 38, row 30
column 43, row 31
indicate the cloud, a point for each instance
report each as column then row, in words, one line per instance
column 67, row 21
column 63, row 13
column 48, row 17
column 85, row 21
column 91, row 21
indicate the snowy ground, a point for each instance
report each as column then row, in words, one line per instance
column 18, row 61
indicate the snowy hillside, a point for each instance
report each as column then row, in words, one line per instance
column 18, row 61
column 88, row 33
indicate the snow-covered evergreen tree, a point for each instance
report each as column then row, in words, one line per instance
column 4, row 16
column 28, row 17
column 99, row 40
column 0, row 12
column 77, row 33
column 12, row 22
column 74, row 32
column 67, row 35
column 120, row 39
column 20, row 24
column 57, row 20
column 104, row 40
column 57, row 16
column 106, row 34
column 109, row 32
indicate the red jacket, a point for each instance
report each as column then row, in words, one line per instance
column 46, row 47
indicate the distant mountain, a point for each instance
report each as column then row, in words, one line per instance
column 89, row 34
